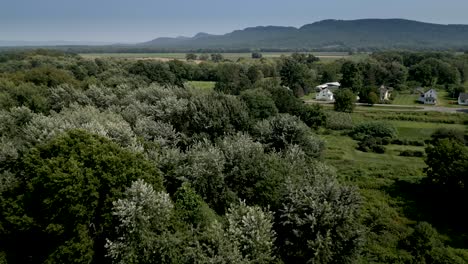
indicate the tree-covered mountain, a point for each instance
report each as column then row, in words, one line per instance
column 332, row 35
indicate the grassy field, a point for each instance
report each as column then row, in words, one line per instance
column 390, row 184
column 411, row 99
column 406, row 99
column 324, row 56
column 201, row 85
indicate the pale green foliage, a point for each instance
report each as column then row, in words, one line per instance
column 339, row 121
column 252, row 230
column 162, row 133
column 65, row 95
column 204, row 170
column 143, row 215
column 8, row 152
column 13, row 120
column 320, row 219
column 102, row 96
column 284, row 130
column 251, row 174
column 42, row 128
column 7, row 181
column 214, row 247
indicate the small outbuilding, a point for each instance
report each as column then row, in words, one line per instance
column 463, row 99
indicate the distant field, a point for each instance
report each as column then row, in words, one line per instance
column 201, row 85
column 324, row 56
column 414, row 129
column 406, row 99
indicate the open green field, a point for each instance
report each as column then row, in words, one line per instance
column 420, row 124
column 391, row 184
column 406, row 99
column 201, row 85
column 324, row 56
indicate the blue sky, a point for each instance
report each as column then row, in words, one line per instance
column 141, row 20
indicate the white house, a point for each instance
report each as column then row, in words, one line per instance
column 429, row 97
column 463, row 99
column 324, row 95
column 385, row 93
column 327, row 85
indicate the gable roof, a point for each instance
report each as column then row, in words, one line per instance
column 333, row 84
column 463, row 96
column 384, row 88
column 433, row 91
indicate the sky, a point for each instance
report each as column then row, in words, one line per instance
column 131, row 21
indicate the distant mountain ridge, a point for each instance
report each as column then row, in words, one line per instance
column 330, row 34
column 23, row 43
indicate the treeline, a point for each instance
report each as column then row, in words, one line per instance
column 117, row 161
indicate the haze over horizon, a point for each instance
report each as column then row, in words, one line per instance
column 122, row 21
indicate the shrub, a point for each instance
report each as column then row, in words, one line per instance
column 339, row 121
column 371, row 144
column 260, row 103
column 373, row 129
column 345, row 100
column 312, row 115
column 412, row 153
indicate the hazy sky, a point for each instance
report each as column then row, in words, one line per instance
column 141, row 20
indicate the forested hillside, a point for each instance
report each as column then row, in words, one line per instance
column 126, row 161
column 364, row 34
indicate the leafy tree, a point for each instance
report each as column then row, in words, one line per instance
column 191, row 209
column 284, row 99
column 281, row 131
column 232, row 78
column 296, row 76
column 318, row 222
column 447, row 161
column 204, row 171
column 329, row 73
column 143, row 214
column 434, row 71
column 203, row 57
column 344, row 101
column 373, row 98
column 352, row 76
column 254, row 73
column 190, row 56
column 256, row 55
column 312, row 115
column 71, row 183
column 251, row 229
column 216, row 115
column 250, row 173
column 260, row 103
column 49, row 76
column 154, row 71
column 217, row 57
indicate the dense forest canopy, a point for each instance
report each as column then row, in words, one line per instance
column 123, row 161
